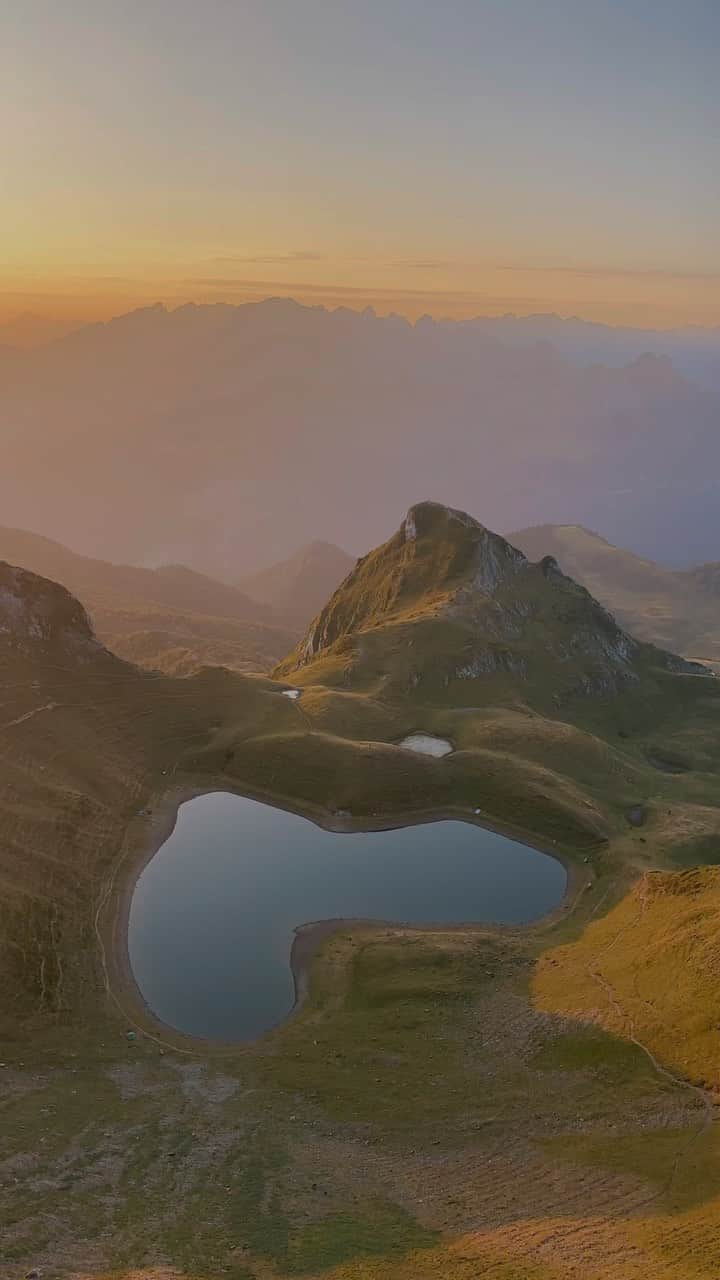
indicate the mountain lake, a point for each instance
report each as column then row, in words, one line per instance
column 214, row 912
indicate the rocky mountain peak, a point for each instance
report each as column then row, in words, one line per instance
column 426, row 518
column 440, row 561
column 484, row 559
column 445, row 600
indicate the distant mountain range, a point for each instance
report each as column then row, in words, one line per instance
column 693, row 349
column 220, row 436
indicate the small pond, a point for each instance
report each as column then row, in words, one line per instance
column 428, row 744
column 213, row 913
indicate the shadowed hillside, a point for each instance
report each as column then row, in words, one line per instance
column 171, row 618
column 707, row 578
column 85, row 739
column 84, row 736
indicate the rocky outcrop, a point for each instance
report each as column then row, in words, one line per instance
column 489, row 559
column 487, row 660
column 36, row 615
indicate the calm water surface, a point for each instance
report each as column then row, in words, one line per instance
column 213, row 914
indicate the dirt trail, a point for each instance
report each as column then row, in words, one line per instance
column 48, row 706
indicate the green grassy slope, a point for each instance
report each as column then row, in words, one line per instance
column 649, row 969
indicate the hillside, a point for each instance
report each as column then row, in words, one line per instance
column 76, row 756
column 298, row 587
column 677, row 610
column 172, row 617
column 84, row 738
column 706, row 577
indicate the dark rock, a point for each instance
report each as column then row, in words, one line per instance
column 637, row 815
column 550, row 567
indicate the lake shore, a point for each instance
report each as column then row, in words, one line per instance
column 154, row 825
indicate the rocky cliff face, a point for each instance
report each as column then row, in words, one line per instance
column 39, row 615
column 502, row 613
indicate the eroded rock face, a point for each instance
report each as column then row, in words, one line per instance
column 486, row 661
column 426, row 517
column 409, row 527
column 38, row 614
column 490, row 561
column 684, row 666
column 496, row 561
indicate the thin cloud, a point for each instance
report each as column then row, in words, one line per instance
column 612, row 273
column 423, row 264
column 271, row 259
column 296, row 287
column 583, row 271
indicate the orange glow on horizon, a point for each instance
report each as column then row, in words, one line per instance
column 59, row 301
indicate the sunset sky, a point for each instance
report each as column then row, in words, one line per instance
column 463, row 157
